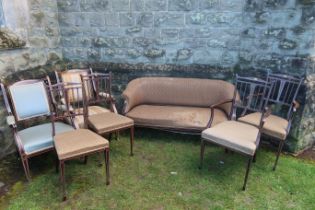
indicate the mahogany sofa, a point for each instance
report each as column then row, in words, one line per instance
column 177, row 104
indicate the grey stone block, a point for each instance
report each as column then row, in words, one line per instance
column 97, row 19
column 67, row 5
column 169, row 33
column 112, row 19
column 145, row 19
column 142, row 41
column 165, row 19
column 94, row 5
column 154, row 53
column 155, row 5
column 197, row 18
column 137, row 5
column 121, row 5
column 210, row 4
column 182, row 5
column 127, row 19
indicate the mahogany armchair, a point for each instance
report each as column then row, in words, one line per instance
column 283, row 96
column 235, row 135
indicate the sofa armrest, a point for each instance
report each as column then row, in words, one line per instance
column 212, row 107
column 131, row 98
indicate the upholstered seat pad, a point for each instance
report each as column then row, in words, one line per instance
column 107, row 122
column 78, row 142
column 79, row 120
column 175, row 117
column 38, row 138
column 234, row 135
column 274, row 126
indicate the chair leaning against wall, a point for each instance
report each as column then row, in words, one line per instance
column 74, row 76
column 238, row 136
column 29, row 102
column 283, row 96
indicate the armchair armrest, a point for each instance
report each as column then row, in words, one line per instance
column 212, row 107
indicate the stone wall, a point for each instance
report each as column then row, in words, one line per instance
column 152, row 31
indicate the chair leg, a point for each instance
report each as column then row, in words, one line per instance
column 202, row 152
column 254, row 158
column 132, row 133
column 226, row 151
column 26, row 168
column 278, row 154
column 110, row 136
column 117, row 136
column 100, row 158
column 57, row 165
column 85, row 159
column 106, row 154
column 63, row 180
column 247, row 171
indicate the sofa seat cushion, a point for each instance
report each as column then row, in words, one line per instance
column 108, row 122
column 78, row 142
column 274, row 126
column 235, row 135
column 39, row 137
column 79, row 120
column 175, row 117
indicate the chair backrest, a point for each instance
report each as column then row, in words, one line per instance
column 249, row 95
column 284, row 91
column 74, row 76
column 29, row 99
column 102, row 87
column 61, row 95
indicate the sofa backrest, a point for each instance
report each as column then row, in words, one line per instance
column 178, row 92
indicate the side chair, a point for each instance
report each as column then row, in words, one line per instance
column 74, row 76
column 108, row 122
column 79, row 142
column 283, row 96
column 27, row 101
column 235, row 135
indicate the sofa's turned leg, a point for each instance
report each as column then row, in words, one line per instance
column 202, row 152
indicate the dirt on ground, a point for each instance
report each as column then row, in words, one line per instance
column 308, row 154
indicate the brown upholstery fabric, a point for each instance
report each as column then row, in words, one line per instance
column 107, row 122
column 177, row 92
column 78, row 142
column 274, row 126
column 176, row 117
column 234, row 135
column 79, row 120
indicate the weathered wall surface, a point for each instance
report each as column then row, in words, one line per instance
column 189, row 38
column 159, row 31
column 36, row 23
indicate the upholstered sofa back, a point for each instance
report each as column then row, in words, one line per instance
column 178, row 92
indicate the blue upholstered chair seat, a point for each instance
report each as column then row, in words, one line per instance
column 37, row 138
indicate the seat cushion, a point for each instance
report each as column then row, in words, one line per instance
column 234, row 135
column 78, row 142
column 175, row 117
column 38, row 138
column 79, row 120
column 107, row 122
column 274, row 126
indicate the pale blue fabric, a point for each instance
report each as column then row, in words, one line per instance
column 40, row 137
column 30, row 100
